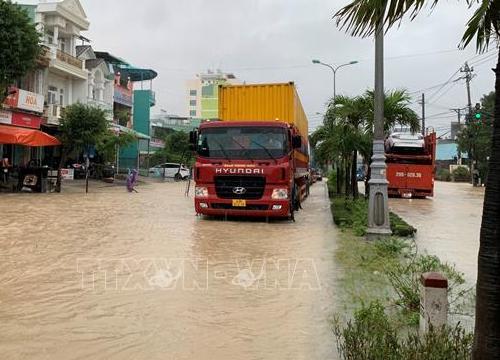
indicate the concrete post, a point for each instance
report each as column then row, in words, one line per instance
column 378, row 204
column 433, row 301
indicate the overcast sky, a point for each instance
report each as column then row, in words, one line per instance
column 275, row 40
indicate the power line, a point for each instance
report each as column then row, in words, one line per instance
column 485, row 61
column 476, row 58
column 445, row 92
column 439, row 114
column 444, row 84
column 429, row 88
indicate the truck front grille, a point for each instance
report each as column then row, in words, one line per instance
column 230, row 187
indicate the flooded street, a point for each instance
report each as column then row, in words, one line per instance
column 114, row 275
column 448, row 224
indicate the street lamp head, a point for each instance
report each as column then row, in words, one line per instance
column 316, row 61
column 353, row 62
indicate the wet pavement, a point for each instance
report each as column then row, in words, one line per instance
column 448, row 224
column 113, row 275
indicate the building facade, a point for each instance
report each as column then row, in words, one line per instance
column 72, row 72
column 66, row 77
column 100, row 81
column 203, row 93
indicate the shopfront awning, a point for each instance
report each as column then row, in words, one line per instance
column 27, row 137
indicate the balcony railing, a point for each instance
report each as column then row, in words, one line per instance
column 69, row 59
column 44, row 56
column 53, row 113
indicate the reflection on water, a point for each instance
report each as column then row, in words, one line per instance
column 448, row 224
column 114, row 275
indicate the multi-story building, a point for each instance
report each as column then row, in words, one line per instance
column 76, row 73
column 163, row 124
column 61, row 24
column 132, row 107
column 101, row 79
column 23, row 108
column 203, row 93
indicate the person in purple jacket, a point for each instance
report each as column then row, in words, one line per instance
column 132, row 180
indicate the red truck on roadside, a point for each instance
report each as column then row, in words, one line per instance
column 252, row 161
column 411, row 164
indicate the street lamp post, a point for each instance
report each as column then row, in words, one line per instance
column 334, row 70
column 378, row 209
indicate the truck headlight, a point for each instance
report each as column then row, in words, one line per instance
column 280, row 194
column 200, row 191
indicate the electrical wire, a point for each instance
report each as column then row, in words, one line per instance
column 446, row 83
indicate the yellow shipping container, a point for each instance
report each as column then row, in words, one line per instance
column 263, row 102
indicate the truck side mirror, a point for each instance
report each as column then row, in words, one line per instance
column 193, row 137
column 297, row 141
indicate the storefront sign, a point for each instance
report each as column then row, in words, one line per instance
column 25, row 100
column 20, row 119
column 5, row 117
column 26, row 120
column 68, row 174
column 157, row 143
column 30, row 101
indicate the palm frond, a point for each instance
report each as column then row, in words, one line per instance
column 361, row 17
column 484, row 24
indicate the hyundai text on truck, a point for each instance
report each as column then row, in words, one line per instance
column 411, row 163
column 252, row 161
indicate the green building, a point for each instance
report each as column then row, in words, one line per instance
column 137, row 104
column 203, row 94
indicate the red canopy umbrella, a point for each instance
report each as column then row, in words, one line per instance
column 26, row 137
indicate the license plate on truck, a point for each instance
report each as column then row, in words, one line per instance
column 239, row 203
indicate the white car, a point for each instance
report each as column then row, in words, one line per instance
column 170, row 170
column 404, row 142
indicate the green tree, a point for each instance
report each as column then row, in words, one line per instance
column 361, row 18
column 109, row 143
column 123, row 117
column 475, row 138
column 81, row 126
column 348, row 129
column 18, row 43
column 176, row 149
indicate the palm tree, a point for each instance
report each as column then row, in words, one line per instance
column 354, row 119
column 352, row 114
column 361, row 18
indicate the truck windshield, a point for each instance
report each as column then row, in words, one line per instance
column 252, row 143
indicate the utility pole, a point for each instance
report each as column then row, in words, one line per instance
column 468, row 77
column 378, row 205
column 423, row 114
column 468, row 117
column 459, row 115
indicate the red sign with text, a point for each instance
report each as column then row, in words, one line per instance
column 20, row 119
column 26, row 120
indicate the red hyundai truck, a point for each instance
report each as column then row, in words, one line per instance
column 411, row 164
column 254, row 160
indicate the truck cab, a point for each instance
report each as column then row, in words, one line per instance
column 247, row 168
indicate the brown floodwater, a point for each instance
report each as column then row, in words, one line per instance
column 448, row 224
column 113, row 275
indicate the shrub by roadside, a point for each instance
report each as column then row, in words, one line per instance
column 387, row 273
column 461, row 174
column 372, row 336
column 443, row 175
column 352, row 214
